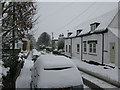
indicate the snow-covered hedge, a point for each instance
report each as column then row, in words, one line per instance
column 3, row 71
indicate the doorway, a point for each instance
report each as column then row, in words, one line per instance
column 112, row 52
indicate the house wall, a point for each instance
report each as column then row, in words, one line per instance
column 76, row 41
column 97, row 57
column 67, row 42
column 108, row 37
column 114, row 38
column 111, row 38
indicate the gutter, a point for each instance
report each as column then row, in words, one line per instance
column 81, row 48
column 103, row 44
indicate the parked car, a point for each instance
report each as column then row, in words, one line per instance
column 61, row 51
column 35, row 54
column 55, row 72
column 55, row 51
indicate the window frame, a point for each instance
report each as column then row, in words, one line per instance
column 84, row 46
column 78, row 48
column 69, row 48
column 92, row 47
column 66, row 48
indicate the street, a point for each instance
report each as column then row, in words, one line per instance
column 24, row 79
column 89, row 81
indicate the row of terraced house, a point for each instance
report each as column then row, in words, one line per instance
column 96, row 40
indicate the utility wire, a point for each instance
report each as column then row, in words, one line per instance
column 89, row 16
column 57, row 11
column 77, row 16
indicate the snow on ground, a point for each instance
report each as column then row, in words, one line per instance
column 24, row 79
column 3, row 71
column 110, row 73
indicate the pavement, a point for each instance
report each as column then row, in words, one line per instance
column 24, row 79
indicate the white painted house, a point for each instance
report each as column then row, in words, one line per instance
column 98, row 41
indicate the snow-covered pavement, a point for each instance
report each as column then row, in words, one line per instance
column 109, row 74
column 24, row 79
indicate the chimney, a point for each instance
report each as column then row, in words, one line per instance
column 69, row 33
column 78, row 32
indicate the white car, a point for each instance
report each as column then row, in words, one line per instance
column 55, row 72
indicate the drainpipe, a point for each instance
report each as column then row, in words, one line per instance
column 102, row 48
column 71, row 47
column 81, row 48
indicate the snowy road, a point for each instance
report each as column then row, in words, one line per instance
column 23, row 81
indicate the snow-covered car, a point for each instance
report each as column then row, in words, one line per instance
column 43, row 52
column 35, row 54
column 55, row 72
column 55, row 51
column 61, row 51
column 24, row 54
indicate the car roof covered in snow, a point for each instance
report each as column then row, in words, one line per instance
column 35, row 52
column 52, row 61
column 60, row 78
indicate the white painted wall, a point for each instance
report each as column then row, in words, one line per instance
column 98, row 56
column 111, row 38
column 76, row 41
column 67, row 42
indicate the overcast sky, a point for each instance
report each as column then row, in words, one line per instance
column 58, row 17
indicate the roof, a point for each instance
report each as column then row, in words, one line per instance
column 104, row 21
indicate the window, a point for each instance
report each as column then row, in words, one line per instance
column 92, row 47
column 66, row 48
column 84, row 46
column 78, row 48
column 94, row 25
column 69, row 48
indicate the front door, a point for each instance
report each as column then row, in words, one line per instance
column 112, row 52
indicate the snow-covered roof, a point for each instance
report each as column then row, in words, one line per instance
column 50, row 78
column 104, row 21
